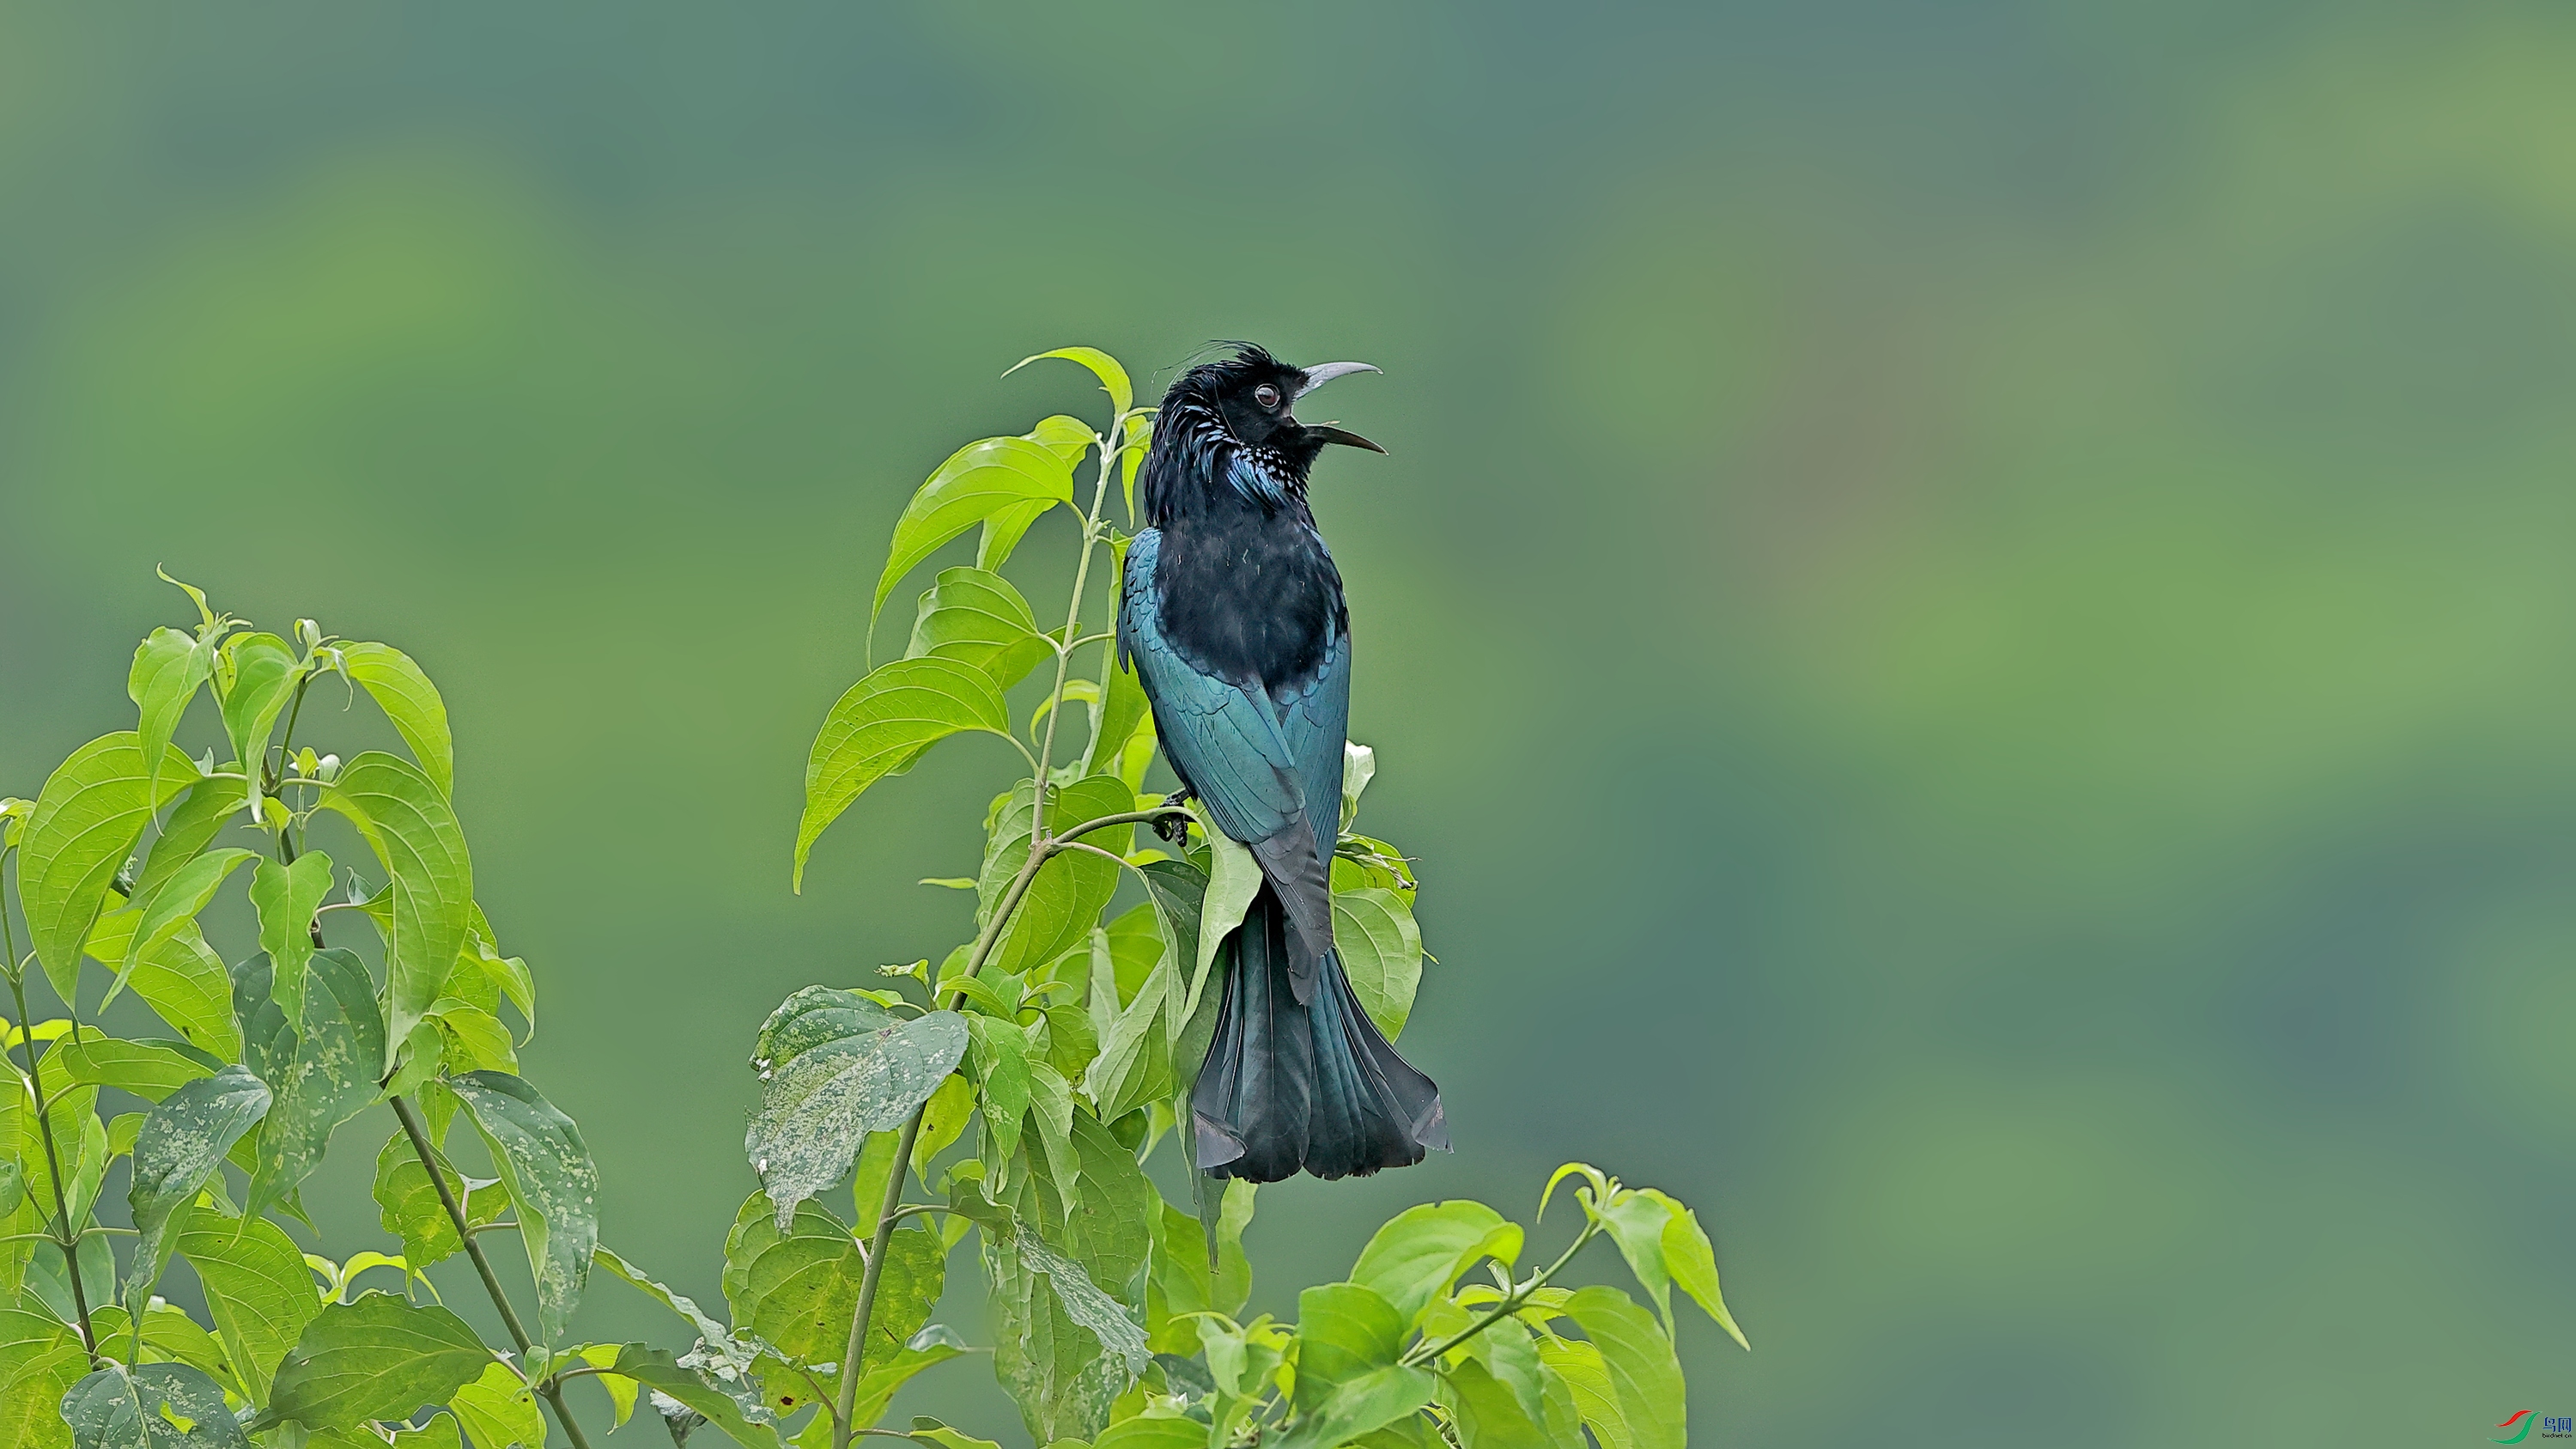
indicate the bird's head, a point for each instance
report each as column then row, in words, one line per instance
column 1253, row 396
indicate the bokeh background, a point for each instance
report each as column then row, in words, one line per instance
column 1970, row 614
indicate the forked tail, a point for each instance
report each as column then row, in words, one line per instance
column 1313, row 1085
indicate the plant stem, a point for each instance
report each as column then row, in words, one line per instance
column 1423, row 1354
column 550, row 1389
column 1041, row 847
column 63, row 1234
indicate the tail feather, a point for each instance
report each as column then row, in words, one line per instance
column 1312, row 1085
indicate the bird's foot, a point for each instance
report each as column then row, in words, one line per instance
column 1175, row 829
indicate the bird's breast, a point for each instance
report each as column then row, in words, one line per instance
column 1248, row 598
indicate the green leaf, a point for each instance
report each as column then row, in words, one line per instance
column 1344, row 1330
column 1358, row 1406
column 1123, row 711
column 1642, row 1369
column 257, row 1289
column 656, row 1369
column 150, row 1070
column 1004, row 530
column 1152, row 1433
column 1001, row 1059
column 975, row 483
column 407, row 821
column 1185, row 1281
column 185, row 983
column 331, row 1077
column 87, row 818
column 169, row 666
column 1596, row 1400
column 943, row 1121
column 1692, row 1261
column 152, row 1406
column 199, row 816
column 1049, row 1351
column 1381, row 950
column 1064, row 901
column 407, row 697
column 933, row 1346
column 881, row 725
column 169, row 1336
column 286, row 898
column 977, row 618
column 1234, row 878
column 40, row 1360
column 408, row 1204
column 376, row 1357
column 820, row 1104
column 499, row 1410
column 182, row 1142
column 1422, row 1250
column 679, row 1303
column 802, row 1292
column 940, row 1436
column 264, row 671
column 180, row 898
column 545, row 1164
column 1113, row 378
column 475, row 1039
column 1489, row 1415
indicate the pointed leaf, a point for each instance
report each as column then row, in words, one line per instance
column 40, row 1360
column 499, row 1410
column 1234, row 878
column 1381, row 950
column 406, row 819
column 1692, row 1261
column 185, row 983
column 286, row 898
column 408, row 1204
column 978, row 618
column 1643, row 1371
column 407, row 697
column 332, row 1076
column 257, row 1288
column 376, row 1357
column 975, row 483
column 547, row 1167
column 150, row 1070
column 151, row 1406
column 657, row 1370
column 881, row 725
column 264, row 671
column 199, row 816
column 87, row 818
column 182, row 1142
column 1360, row 1406
column 681, row 1304
column 817, row 1109
column 1113, row 378
column 1064, row 901
column 1489, row 1415
column 1422, row 1250
column 1596, row 1401
column 169, row 667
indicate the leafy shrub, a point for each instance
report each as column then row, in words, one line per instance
column 1064, row 1035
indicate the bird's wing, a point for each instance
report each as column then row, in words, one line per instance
column 1316, row 722
column 1224, row 741
column 1228, row 743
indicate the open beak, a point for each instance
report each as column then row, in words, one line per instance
column 1331, row 434
column 1316, row 377
column 1322, row 373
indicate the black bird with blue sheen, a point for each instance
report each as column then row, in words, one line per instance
column 1232, row 610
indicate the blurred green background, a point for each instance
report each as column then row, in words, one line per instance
column 1970, row 614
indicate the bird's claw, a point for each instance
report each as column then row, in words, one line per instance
column 1175, row 829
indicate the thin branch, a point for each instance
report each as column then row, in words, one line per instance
column 64, row 1235
column 1422, row 1354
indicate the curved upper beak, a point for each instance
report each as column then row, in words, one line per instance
column 1322, row 373
column 1316, row 377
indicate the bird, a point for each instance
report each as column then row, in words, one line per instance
column 1232, row 610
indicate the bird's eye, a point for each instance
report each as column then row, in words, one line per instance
column 1266, row 395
